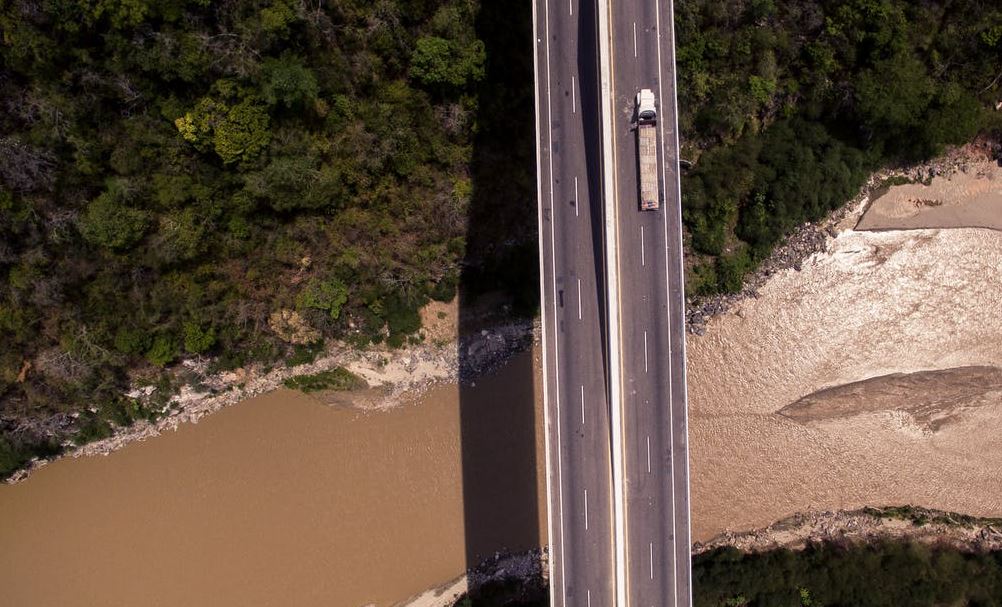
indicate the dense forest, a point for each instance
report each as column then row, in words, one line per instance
column 885, row 574
column 238, row 179
column 786, row 106
column 242, row 180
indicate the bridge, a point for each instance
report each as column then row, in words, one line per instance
column 611, row 279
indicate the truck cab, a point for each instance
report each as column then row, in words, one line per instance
column 646, row 114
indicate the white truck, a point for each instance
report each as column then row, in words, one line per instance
column 647, row 151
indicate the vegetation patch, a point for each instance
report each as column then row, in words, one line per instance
column 335, row 379
column 881, row 574
column 174, row 173
column 923, row 516
column 884, row 574
column 787, row 106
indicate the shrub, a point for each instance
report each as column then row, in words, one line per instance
column 335, row 379
column 440, row 63
column 163, row 350
column 111, row 222
column 326, row 295
column 196, row 339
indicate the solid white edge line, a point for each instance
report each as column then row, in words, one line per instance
column 608, row 188
column 671, row 419
column 685, row 383
column 542, row 296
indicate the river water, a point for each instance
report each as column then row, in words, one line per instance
column 874, row 304
column 281, row 500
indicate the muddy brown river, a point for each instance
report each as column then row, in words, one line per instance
column 280, row 500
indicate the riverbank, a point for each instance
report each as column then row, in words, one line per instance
column 393, row 377
column 526, row 572
column 864, row 373
column 967, row 193
column 806, row 552
column 866, row 525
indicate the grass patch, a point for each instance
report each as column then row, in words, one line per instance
column 335, row 379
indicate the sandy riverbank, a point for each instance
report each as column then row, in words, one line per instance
column 874, row 332
column 969, row 195
column 958, row 531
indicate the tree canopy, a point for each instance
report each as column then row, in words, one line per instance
column 787, row 105
column 173, row 173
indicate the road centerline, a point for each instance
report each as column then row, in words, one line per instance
column 648, row 453
column 579, row 299
column 645, row 351
column 643, row 257
column 577, row 201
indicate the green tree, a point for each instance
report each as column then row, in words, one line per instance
column 130, row 340
column 196, row 339
column 287, row 81
column 110, row 221
column 163, row 350
column 233, row 123
column 285, row 183
column 895, row 92
column 440, row 63
column 328, row 295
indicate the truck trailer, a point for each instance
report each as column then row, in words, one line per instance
column 647, row 151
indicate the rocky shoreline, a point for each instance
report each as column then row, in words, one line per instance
column 853, row 527
column 812, row 238
column 866, row 525
column 396, row 375
column 529, row 569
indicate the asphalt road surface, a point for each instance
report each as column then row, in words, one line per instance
column 652, row 315
column 571, row 258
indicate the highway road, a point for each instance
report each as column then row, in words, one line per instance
column 579, row 478
column 652, row 314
